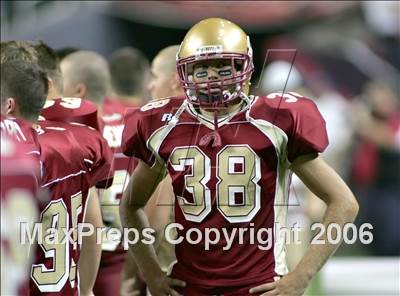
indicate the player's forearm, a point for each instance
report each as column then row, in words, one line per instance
column 90, row 256
column 342, row 208
column 89, row 264
column 130, row 268
column 144, row 254
column 317, row 254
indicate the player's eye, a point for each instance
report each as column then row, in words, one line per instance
column 225, row 72
column 201, row 74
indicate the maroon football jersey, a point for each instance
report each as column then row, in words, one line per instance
column 71, row 110
column 64, row 175
column 234, row 178
column 19, row 204
column 73, row 158
column 113, row 107
column 22, row 132
column 112, row 124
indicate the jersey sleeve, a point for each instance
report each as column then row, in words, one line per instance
column 98, row 157
column 309, row 133
column 101, row 171
column 298, row 117
column 134, row 140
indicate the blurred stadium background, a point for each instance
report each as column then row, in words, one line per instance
column 346, row 55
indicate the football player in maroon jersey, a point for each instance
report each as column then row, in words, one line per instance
column 58, row 107
column 87, row 74
column 230, row 156
column 163, row 82
column 19, row 204
column 71, row 108
column 128, row 67
column 129, row 70
column 69, row 169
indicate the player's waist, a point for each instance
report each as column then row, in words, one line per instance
column 115, row 257
column 208, row 280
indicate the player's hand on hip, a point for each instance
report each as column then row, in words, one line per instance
column 130, row 287
column 290, row 285
column 164, row 285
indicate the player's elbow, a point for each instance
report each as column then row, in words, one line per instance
column 123, row 210
column 351, row 207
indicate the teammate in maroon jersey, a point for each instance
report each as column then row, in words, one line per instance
column 230, row 155
column 57, row 107
column 163, row 82
column 128, row 68
column 72, row 110
column 74, row 106
column 69, row 169
column 86, row 75
column 19, row 204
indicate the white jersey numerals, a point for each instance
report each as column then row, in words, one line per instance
column 55, row 222
column 154, row 104
column 12, row 128
column 113, row 135
column 290, row 97
column 238, row 171
column 69, row 103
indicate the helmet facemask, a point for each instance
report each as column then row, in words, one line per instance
column 216, row 93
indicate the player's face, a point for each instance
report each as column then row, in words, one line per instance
column 159, row 84
column 212, row 78
column 212, row 71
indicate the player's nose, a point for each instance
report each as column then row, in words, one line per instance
column 212, row 73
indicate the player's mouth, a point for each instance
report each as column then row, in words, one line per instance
column 209, row 97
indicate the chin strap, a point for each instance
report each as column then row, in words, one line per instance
column 212, row 137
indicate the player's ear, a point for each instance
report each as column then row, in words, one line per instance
column 9, row 106
column 80, row 91
column 49, row 83
column 175, row 82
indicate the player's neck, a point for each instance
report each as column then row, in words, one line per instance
column 54, row 94
column 178, row 93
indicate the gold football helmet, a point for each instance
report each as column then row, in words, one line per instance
column 209, row 40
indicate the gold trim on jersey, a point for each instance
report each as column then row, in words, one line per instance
column 155, row 140
column 279, row 139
